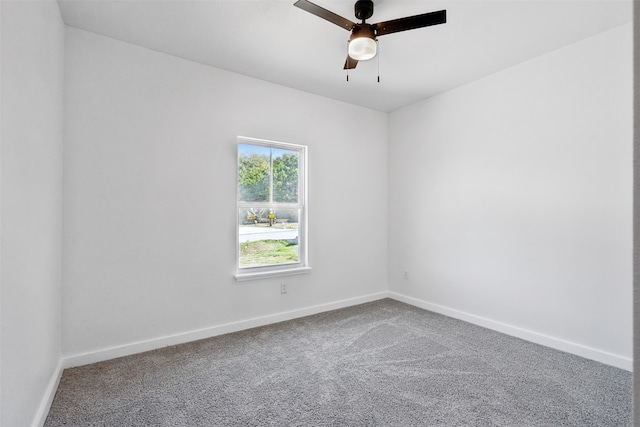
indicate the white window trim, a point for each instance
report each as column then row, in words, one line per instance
column 301, row 267
column 242, row 277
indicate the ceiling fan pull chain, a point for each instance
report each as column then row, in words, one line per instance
column 347, row 60
column 378, row 49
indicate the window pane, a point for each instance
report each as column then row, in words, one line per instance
column 253, row 173
column 285, row 176
column 268, row 237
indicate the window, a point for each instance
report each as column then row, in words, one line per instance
column 272, row 209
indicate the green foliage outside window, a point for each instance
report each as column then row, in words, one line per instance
column 253, row 177
column 285, row 178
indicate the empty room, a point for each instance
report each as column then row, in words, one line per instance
column 327, row 213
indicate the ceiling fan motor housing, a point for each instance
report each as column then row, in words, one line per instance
column 365, row 30
column 363, row 9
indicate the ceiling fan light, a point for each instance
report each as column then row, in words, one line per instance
column 362, row 48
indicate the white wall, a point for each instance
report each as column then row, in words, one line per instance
column 149, row 203
column 511, row 198
column 31, row 198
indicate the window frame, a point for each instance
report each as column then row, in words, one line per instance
column 302, row 266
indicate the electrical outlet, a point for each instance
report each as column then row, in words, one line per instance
column 405, row 274
column 283, row 288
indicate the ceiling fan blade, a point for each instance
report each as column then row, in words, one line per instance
column 350, row 63
column 411, row 22
column 325, row 14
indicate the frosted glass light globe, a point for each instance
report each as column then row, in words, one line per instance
column 362, row 48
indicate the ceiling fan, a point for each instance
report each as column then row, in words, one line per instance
column 362, row 43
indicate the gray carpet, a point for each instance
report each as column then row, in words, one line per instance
column 379, row 364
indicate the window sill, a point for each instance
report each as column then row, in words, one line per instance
column 241, row 277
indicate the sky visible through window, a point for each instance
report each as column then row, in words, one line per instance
column 248, row 149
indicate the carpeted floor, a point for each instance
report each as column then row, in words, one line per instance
column 379, row 364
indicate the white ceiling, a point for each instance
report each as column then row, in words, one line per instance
column 274, row 41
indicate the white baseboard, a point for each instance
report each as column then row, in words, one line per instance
column 153, row 344
column 535, row 337
column 47, row 399
column 156, row 343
